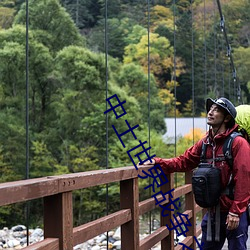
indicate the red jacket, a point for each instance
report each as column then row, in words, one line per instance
column 241, row 167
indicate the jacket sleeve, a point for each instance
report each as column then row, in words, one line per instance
column 185, row 162
column 241, row 175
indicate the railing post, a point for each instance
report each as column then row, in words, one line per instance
column 58, row 219
column 168, row 242
column 129, row 198
column 190, row 205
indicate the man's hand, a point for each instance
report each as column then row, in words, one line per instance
column 152, row 162
column 232, row 221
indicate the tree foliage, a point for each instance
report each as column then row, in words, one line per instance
column 53, row 25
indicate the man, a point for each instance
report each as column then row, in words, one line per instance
column 221, row 115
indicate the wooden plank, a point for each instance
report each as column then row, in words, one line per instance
column 154, row 238
column 24, row 190
column 191, row 205
column 46, row 244
column 185, row 189
column 198, row 230
column 168, row 242
column 98, row 177
column 187, row 241
column 89, row 230
column 129, row 196
column 58, row 219
column 146, row 206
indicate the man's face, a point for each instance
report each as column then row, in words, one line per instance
column 215, row 116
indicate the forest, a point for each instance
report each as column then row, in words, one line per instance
column 56, row 70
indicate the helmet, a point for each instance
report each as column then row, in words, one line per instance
column 223, row 103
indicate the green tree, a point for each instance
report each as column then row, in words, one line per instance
column 6, row 17
column 161, row 57
column 117, row 32
column 53, row 25
column 136, row 83
column 241, row 56
column 84, row 13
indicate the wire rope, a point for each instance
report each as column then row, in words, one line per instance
column 192, row 74
column 222, row 68
column 149, row 121
column 205, row 50
column 106, row 82
column 215, row 52
column 27, row 207
column 236, row 83
column 175, row 89
column 77, row 13
column 174, row 74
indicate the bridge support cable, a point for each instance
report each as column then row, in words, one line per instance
column 236, row 82
column 192, row 73
column 149, row 121
column 106, row 83
column 216, row 91
column 205, row 49
column 175, row 91
column 174, row 76
column 27, row 204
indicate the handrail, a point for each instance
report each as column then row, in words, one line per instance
column 56, row 192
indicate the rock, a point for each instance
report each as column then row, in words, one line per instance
column 81, row 246
column 117, row 235
column 13, row 243
column 111, row 240
column 103, row 243
column 38, row 232
column 18, row 228
column 100, row 238
column 3, row 233
column 117, row 245
column 19, row 234
column 91, row 242
column 95, row 248
column 111, row 233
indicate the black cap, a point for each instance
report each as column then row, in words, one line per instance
column 223, row 103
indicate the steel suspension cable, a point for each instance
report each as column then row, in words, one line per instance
column 175, row 92
column 229, row 54
column 215, row 52
column 27, row 207
column 192, row 77
column 174, row 77
column 222, row 68
column 149, row 121
column 205, row 51
column 27, row 88
column 106, row 82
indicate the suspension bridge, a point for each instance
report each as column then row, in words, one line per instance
column 56, row 191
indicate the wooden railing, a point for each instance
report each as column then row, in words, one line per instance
column 56, row 192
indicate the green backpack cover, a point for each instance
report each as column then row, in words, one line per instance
column 243, row 119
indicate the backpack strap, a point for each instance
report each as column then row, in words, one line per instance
column 227, row 148
column 203, row 152
column 227, row 151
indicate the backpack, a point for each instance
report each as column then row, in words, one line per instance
column 206, row 179
column 243, row 120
